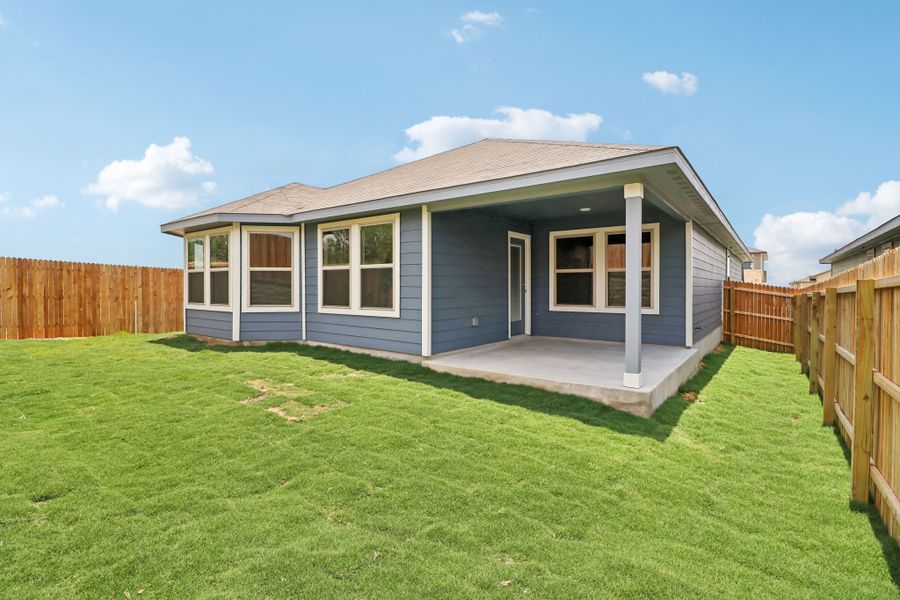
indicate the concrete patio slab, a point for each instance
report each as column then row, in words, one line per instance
column 587, row 368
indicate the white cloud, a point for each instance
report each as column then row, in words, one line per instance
column 168, row 177
column 442, row 132
column 795, row 242
column 670, row 83
column 491, row 19
column 879, row 207
column 472, row 21
column 30, row 210
column 466, row 33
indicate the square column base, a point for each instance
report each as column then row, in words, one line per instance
column 633, row 380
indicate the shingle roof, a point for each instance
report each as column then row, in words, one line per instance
column 486, row 160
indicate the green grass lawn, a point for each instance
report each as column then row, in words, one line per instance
column 143, row 466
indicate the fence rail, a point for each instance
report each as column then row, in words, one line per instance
column 49, row 299
column 847, row 340
column 758, row 316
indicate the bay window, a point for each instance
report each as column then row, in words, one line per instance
column 359, row 270
column 208, row 270
column 587, row 270
column 270, row 269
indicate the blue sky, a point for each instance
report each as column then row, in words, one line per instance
column 788, row 110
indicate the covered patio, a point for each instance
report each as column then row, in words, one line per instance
column 588, row 368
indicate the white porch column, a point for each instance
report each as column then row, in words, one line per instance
column 634, row 196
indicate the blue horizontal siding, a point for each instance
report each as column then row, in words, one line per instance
column 469, row 279
column 257, row 326
column 211, row 323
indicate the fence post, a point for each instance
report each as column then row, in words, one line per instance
column 862, row 404
column 795, row 326
column 814, row 344
column 802, row 336
column 829, row 373
column 731, row 318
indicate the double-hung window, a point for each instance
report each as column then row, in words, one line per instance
column 359, row 267
column 208, row 270
column 587, row 270
column 270, row 269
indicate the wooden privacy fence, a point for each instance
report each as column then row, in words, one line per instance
column 758, row 316
column 847, row 340
column 48, row 299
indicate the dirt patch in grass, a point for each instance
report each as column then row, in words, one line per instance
column 290, row 410
column 692, row 396
column 266, row 391
column 344, row 374
column 296, row 411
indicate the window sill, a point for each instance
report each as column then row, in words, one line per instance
column 211, row 307
column 270, row 309
column 594, row 309
column 386, row 313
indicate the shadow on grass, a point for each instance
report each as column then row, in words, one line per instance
column 658, row 427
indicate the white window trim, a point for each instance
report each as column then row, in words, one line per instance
column 207, row 292
column 356, row 268
column 599, row 269
column 245, row 261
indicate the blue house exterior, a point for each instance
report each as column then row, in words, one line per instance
column 471, row 247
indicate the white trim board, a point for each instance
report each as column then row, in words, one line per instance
column 303, row 281
column 689, row 284
column 426, row 281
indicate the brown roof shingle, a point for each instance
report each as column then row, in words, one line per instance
column 486, row 160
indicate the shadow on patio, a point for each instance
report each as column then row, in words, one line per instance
column 657, row 427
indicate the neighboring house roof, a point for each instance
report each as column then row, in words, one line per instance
column 811, row 279
column 486, row 168
column 881, row 233
column 758, row 251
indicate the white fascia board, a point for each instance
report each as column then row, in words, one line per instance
column 698, row 184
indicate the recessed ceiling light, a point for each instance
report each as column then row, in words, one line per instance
column 585, row 209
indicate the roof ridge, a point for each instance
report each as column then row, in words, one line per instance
column 573, row 143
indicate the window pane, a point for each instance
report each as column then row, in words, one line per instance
column 195, row 253
column 515, row 283
column 576, row 289
column 377, row 244
column 336, row 247
column 615, row 250
column 270, row 288
column 377, row 288
column 645, row 289
column 195, row 288
column 575, row 252
column 218, row 251
column 336, row 288
column 218, row 286
column 615, row 289
column 270, row 249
